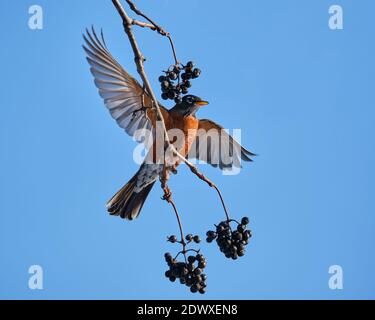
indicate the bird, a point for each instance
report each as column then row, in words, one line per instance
column 131, row 106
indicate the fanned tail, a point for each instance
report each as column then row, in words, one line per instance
column 127, row 203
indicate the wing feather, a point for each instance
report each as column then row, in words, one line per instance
column 215, row 146
column 127, row 102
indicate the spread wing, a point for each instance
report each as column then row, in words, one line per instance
column 127, row 102
column 215, row 146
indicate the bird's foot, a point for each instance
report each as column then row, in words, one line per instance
column 167, row 194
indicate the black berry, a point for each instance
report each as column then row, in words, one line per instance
column 196, row 239
column 196, row 73
column 190, row 65
column 172, row 239
column 191, row 259
column 187, row 84
column 172, row 75
column 245, row 221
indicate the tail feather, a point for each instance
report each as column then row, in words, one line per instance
column 127, row 203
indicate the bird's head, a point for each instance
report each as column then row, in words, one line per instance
column 189, row 105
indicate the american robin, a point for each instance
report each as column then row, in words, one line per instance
column 131, row 106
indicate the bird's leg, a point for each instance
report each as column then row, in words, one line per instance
column 167, row 194
column 164, row 177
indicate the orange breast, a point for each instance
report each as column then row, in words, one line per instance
column 188, row 126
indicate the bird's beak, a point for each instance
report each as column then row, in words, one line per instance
column 202, row 103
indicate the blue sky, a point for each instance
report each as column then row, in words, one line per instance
column 302, row 95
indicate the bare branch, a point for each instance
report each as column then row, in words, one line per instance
column 138, row 12
column 139, row 61
column 143, row 24
column 157, row 27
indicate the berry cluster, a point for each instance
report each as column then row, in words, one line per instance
column 190, row 275
column 174, row 83
column 231, row 243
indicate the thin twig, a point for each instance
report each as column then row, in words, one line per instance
column 156, row 27
column 140, row 13
column 143, row 24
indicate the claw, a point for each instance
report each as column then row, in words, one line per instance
column 167, row 194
